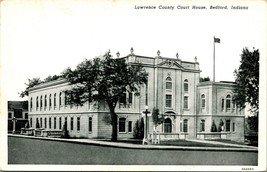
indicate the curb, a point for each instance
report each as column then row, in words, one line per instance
column 133, row 146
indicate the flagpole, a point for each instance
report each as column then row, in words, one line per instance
column 213, row 59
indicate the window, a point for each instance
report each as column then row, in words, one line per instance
column 9, row 115
column 18, row 113
column 122, row 124
column 227, row 125
column 55, row 100
column 90, row 124
column 55, row 122
column 60, row 99
column 185, row 102
column 37, row 103
column 41, row 122
column 41, row 102
column 130, row 98
column 203, row 101
column 66, row 122
column 234, row 105
column 65, row 99
column 26, row 115
column 45, row 123
column 233, row 127
column 30, row 122
column 185, row 125
column 37, row 124
column 169, row 84
column 78, row 123
column 130, row 126
column 60, row 123
column 222, row 105
column 45, row 101
column 202, row 125
column 50, row 123
column 185, row 85
column 71, row 123
column 168, row 100
column 167, row 125
column 228, row 103
column 31, row 104
column 50, row 100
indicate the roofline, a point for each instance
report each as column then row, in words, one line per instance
column 50, row 83
column 211, row 83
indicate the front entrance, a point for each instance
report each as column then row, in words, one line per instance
column 167, row 125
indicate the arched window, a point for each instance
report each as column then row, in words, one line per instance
column 41, row 102
column 60, row 99
column 228, row 103
column 122, row 124
column 37, row 102
column 168, row 84
column 55, row 99
column 90, row 124
column 185, row 85
column 203, row 101
column 45, row 101
column 167, row 125
column 222, row 104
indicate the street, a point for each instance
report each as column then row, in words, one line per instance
column 35, row 151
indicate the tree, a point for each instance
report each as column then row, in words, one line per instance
column 31, row 83
column 247, row 80
column 104, row 79
column 51, row 78
column 253, row 122
column 36, row 81
column 138, row 132
column 204, row 79
column 157, row 118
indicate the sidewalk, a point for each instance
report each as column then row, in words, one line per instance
column 223, row 144
column 240, row 148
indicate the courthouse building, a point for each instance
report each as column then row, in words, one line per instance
column 189, row 107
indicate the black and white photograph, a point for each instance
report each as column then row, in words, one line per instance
column 133, row 85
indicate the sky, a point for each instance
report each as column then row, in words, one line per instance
column 42, row 38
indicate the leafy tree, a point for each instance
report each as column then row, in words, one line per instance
column 31, row 83
column 204, row 79
column 247, row 80
column 36, row 81
column 253, row 122
column 104, row 79
column 51, row 78
column 138, row 132
column 157, row 118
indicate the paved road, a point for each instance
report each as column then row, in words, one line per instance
column 35, row 151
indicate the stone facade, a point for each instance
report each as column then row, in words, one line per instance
column 173, row 87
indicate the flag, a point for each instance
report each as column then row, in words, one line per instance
column 217, row 40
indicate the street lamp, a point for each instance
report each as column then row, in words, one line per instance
column 146, row 112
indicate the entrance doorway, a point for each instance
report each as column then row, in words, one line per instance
column 167, row 125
